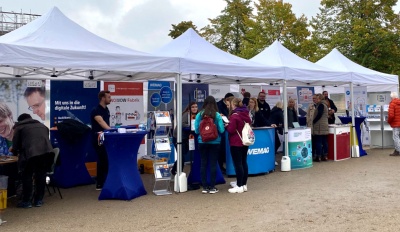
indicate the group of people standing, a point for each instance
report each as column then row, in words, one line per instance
column 319, row 115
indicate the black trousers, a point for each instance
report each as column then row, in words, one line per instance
column 102, row 165
column 239, row 158
column 35, row 170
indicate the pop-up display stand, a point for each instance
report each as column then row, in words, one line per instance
column 339, row 142
column 300, row 149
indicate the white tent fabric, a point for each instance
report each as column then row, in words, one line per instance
column 359, row 75
column 55, row 45
column 298, row 71
column 198, row 56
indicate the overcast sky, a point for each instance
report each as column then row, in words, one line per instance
column 140, row 24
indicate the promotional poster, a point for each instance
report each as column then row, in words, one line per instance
column 127, row 106
column 160, row 96
column 77, row 106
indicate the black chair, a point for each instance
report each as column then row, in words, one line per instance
column 50, row 174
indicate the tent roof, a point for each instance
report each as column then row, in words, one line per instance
column 359, row 74
column 54, row 41
column 198, row 56
column 298, row 71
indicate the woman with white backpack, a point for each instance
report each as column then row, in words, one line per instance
column 238, row 116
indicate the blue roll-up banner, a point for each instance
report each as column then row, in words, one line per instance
column 73, row 100
column 260, row 156
column 194, row 92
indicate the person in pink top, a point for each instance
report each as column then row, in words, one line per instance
column 238, row 115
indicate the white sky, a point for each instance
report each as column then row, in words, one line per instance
column 140, row 24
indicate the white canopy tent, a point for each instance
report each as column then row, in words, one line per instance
column 359, row 75
column 298, row 71
column 212, row 65
column 53, row 46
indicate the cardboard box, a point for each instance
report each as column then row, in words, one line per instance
column 148, row 164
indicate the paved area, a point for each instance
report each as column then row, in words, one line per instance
column 359, row 194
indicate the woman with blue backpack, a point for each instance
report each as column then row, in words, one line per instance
column 209, row 125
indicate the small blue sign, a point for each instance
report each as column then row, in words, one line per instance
column 347, row 92
column 155, row 100
column 166, row 94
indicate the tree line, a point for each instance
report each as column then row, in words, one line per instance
column 365, row 31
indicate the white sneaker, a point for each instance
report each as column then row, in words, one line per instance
column 276, row 163
column 245, row 188
column 236, row 189
column 233, row 184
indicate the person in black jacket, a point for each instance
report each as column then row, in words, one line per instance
column 257, row 118
column 263, row 105
column 332, row 109
column 35, row 156
column 223, row 109
column 277, row 119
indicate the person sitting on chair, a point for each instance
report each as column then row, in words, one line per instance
column 31, row 143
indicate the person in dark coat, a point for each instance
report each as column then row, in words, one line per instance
column 223, row 109
column 277, row 119
column 332, row 109
column 246, row 98
column 263, row 105
column 292, row 113
column 257, row 118
column 31, row 143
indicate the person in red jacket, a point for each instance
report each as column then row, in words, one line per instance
column 394, row 121
column 239, row 114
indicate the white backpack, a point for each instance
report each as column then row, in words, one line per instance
column 248, row 138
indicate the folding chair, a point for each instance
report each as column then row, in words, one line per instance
column 50, row 174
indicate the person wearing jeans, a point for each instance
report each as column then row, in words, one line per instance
column 209, row 151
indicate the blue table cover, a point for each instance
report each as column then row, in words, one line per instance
column 358, row 121
column 260, row 156
column 123, row 180
column 72, row 170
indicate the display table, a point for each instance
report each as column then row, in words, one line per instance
column 339, row 142
column 123, row 179
column 300, row 149
column 358, row 122
column 260, row 156
column 9, row 167
column 195, row 176
column 72, row 170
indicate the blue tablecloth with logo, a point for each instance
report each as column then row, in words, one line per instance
column 260, row 156
column 358, row 122
column 123, row 180
column 72, row 170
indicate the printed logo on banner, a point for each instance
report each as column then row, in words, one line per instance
column 34, row 83
column 90, row 84
column 258, row 151
column 111, row 88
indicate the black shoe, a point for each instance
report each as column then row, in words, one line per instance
column 317, row 159
column 24, row 205
column 324, row 158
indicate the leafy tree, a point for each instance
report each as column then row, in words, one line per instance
column 366, row 31
column 180, row 28
column 274, row 21
column 228, row 30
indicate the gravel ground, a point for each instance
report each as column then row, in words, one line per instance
column 359, row 194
